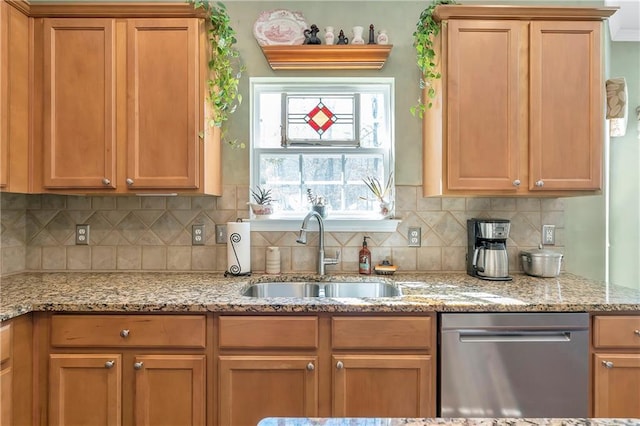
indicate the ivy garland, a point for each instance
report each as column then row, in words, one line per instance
column 426, row 30
column 225, row 68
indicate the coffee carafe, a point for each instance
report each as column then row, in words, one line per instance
column 487, row 249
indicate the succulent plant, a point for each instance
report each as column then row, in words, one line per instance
column 375, row 186
column 262, row 196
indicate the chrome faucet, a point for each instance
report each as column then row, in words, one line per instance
column 302, row 239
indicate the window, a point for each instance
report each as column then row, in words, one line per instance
column 324, row 135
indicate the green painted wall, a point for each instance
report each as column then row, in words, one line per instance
column 624, row 217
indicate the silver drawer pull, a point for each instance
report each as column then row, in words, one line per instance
column 339, row 365
column 109, row 364
column 607, row 364
column 636, row 332
column 124, row 333
column 138, row 365
column 311, row 367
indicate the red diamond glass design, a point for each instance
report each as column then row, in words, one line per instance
column 320, row 118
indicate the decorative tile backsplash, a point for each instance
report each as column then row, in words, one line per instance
column 154, row 233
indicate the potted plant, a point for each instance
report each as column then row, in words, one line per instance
column 224, row 65
column 426, row 31
column 261, row 207
column 381, row 193
column 318, row 203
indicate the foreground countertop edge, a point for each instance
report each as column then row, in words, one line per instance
column 210, row 292
column 381, row 421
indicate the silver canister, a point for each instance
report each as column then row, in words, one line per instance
column 541, row 263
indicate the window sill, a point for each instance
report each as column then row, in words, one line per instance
column 330, row 225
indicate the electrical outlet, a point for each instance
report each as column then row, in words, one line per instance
column 197, row 235
column 221, row 234
column 415, row 237
column 548, row 234
column 82, row 234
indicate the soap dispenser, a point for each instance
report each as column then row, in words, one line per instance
column 364, row 259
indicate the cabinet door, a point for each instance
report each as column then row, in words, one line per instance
column 484, row 98
column 6, row 415
column 14, row 99
column 170, row 389
column 616, row 385
column 382, row 386
column 254, row 387
column 566, row 108
column 6, row 376
column 4, row 98
column 163, row 103
column 79, row 101
column 85, row 389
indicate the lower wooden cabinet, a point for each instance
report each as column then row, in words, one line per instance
column 325, row 366
column 252, row 387
column 616, row 381
column 6, row 376
column 16, row 371
column 85, row 389
column 126, row 370
column 616, row 366
column 170, row 389
column 382, row 386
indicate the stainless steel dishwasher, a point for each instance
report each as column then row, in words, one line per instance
column 514, row 365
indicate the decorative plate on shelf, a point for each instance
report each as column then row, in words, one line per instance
column 279, row 27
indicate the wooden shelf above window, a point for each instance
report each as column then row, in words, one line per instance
column 323, row 57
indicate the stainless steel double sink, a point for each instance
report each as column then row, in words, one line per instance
column 294, row 289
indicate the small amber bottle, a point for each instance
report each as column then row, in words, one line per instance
column 364, row 259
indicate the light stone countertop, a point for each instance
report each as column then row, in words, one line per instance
column 292, row 421
column 213, row 292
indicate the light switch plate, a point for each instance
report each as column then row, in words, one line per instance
column 415, row 236
column 82, row 234
column 197, row 235
column 221, row 234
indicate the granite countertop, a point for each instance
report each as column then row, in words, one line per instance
column 213, row 292
column 283, row 421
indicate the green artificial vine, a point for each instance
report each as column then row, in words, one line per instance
column 225, row 68
column 426, row 30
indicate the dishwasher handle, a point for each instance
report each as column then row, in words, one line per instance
column 514, row 336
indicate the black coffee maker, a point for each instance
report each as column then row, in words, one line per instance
column 487, row 249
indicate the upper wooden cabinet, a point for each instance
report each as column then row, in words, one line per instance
column 521, row 94
column 14, row 99
column 123, row 106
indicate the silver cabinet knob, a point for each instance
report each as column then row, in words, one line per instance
column 129, row 181
column 311, row 367
column 636, row 332
column 607, row 364
column 109, row 364
column 124, row 333
column 540, row 183
column 339, row 365
column 106, row 181
column 516, row 182
column 138, row 365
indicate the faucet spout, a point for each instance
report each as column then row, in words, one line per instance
column 302, row 239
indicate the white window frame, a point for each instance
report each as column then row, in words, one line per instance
column 335, row 223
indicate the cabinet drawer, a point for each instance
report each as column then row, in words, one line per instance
column 381, row 332
column 5, row 343
column 620, row 331
column 268, row 332
column 128, row 330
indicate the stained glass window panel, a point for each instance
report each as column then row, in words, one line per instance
column 320, row 118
